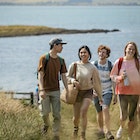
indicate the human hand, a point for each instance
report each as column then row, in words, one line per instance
column 42, row 94
column 76, row 84
column 101, row 102
column 115, row 99
column 94, row 94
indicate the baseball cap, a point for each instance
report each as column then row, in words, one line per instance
column 56, row 41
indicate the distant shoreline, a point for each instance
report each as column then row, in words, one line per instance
column 25, row 30
column 69, row 3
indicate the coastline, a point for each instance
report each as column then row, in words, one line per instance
column 25, row 30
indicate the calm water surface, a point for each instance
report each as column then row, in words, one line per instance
column 19, row 55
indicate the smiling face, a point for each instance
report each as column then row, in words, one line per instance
column 102, row 54
column 84, row 55
column 130, row 50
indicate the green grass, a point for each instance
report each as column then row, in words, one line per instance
column 20, row 122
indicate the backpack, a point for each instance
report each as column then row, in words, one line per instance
column 121, row 61
column 47, row 59
column 109, row 65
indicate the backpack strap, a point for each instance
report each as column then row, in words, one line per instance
column 137, row 64
column 96, row 63
column 110, row 65
column 47, row 56
column 47, row 59
column 120, row 64
column 75, row 67
column 121, row 61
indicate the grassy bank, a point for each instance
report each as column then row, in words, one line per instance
column 21, row 30
column 19, row 122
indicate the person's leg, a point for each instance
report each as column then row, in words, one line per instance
column 55, row 100
column 100, row 121
column 99, row 111
column 133, row 101
column 83, row 113
column 76, row 117
column 138, row 109
column 106, row 118
column 123, row 104
column 106, row 115
column 44, row 107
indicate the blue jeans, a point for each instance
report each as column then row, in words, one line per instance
column 52, row 101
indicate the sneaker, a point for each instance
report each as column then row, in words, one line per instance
column 75, row 132
column 109, row 136
column 129, row 138
column 119, row 133
column 44, row 129
column 100, row 135
column 82, row 136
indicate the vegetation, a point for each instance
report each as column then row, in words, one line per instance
column 20, row 122
column 22, row 30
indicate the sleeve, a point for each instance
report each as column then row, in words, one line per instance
column 97, row 83
column 41, row 64
column 63, row 68
column 70, row 74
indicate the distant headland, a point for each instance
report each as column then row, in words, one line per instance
column 23, row 30
column 70, row 2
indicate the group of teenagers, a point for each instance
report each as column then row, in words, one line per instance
column 99, row 82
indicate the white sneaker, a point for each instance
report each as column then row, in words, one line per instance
column 130, row 138
column 119, row 133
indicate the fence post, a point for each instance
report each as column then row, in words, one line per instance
column 32, row 98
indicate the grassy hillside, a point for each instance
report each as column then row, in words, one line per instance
column 19, row 122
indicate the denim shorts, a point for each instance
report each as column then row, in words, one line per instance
column 107, row 98
column 84, row 94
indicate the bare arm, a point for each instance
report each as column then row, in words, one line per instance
column 41, row 88
column 64, row 79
